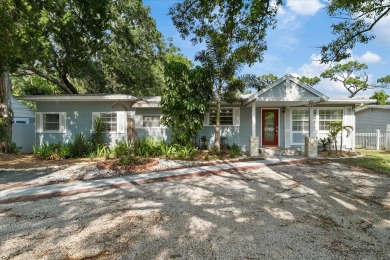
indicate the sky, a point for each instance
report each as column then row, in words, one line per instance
column 293, row 46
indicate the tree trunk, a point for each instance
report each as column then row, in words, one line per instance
column 217, row 139
column 6, row 113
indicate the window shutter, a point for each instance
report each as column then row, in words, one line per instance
column 121, row 117
column 138, row 121
column 62, row 122
column 236, row 116
column 38, row 122
column 206, row 119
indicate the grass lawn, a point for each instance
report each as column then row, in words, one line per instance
column 378, row 161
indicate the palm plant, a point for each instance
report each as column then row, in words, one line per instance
column 335, row 129
column 222, row 63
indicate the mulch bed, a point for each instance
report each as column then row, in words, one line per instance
column 112, row 164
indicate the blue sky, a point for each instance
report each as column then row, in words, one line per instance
column 303, row 26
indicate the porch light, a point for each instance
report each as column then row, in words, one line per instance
column 283, row 109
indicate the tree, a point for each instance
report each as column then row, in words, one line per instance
column 309, row 81
column 85, row 46
column 358, row 18
column 185, row 99
column 381, row 98
column 335, row 129
column 259, row 82
column 346, row 74
column 234, row 32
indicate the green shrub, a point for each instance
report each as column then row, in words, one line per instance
column 148, row 147
column 48, row 152
column 80, row 147
column 234, row 151
column 13, row 147
column 131, row 160
column 98, row 133
column 64, row 150
column 121, row 149
column 186, row 152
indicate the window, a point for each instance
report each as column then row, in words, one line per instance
column 327, row 116
column 51, row 122
column 151, row 121
column 226, row 116
column 300, row 120
column 110, row 120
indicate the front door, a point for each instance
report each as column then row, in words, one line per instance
column 269, row 125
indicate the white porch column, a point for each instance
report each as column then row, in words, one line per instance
column 253, row 119
column 311, row 120
column 254, row 140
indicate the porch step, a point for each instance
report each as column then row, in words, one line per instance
column 271, row 152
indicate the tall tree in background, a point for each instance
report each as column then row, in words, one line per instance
column 259, row 82
column 234, row 32
column 91, row 46
column 353, row 76
column 381, row 98
column 358, row 18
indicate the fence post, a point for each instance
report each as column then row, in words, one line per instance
column 387, row 138
column 378, row 136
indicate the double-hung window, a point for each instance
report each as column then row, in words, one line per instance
column 110, row 120
column 113, row 121
column 151, row 121
column 50, row 122
column 300, row 120
column 327, row 116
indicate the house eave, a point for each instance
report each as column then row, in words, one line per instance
column 151, row 101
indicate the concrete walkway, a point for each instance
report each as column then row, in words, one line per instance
column 29, row 193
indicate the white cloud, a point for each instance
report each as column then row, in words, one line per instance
column 305, row 7
column 382, row 31
column 369, row 57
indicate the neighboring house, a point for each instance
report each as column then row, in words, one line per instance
column 23, row 130
column 372, row 117
column 281, row 115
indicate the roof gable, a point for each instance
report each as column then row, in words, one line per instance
column 287, row 88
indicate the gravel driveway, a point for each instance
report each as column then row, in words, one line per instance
column 316, row 210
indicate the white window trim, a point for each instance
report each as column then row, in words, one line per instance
column 120, row 129
column 39, row 123
column 291, row 126
column 318, row 117
column 151, row 127
column 236, row 117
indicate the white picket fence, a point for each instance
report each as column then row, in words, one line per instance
column 370, row 140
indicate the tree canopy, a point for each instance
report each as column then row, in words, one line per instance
column 353, row 76
column 381, row 98
column 358, row 18
column 82, row 46
column 234, row 33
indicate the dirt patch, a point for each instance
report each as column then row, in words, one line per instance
column 23, row 161
column 299, row 211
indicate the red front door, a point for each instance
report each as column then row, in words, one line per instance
column 269, row 127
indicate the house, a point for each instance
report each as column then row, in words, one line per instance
column 280, row 115
column 23, row 129
column 372, row 117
